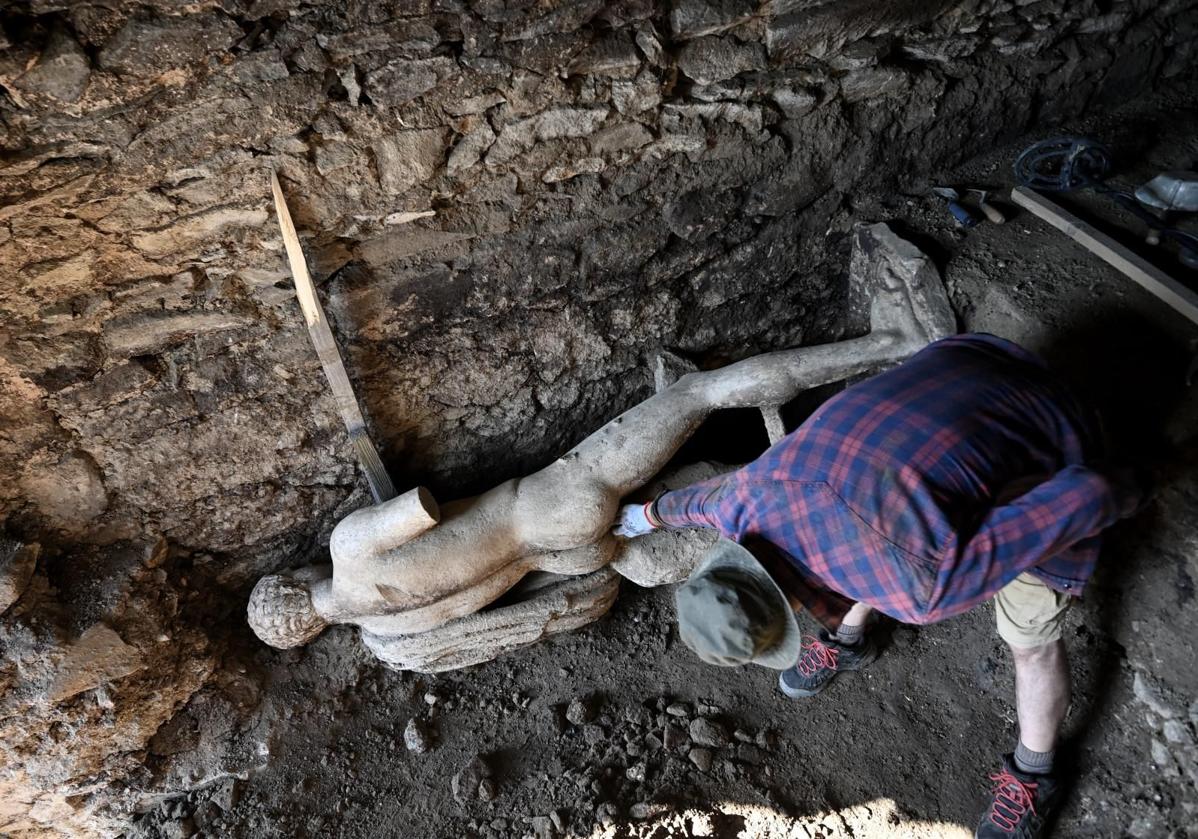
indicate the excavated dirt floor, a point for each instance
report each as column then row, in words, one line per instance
column 595, row 734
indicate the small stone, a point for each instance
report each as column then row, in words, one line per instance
column 227, row 793
column 646, row 810
column 708, row 732
column 606, row 813
column 1175, row 732
column 581, row 710
column 652, row 742
column 416, row 737
column 794, row 101
column 611, row 55
column 564, row 172
column 593, row 734
column 702, row 758
column 650, row 44
column 467, row 783
column 487, row 790
column 1160, row 754
column 678, row 709
column 636, row 773
column 542, row 827
column 860, row 85
column 1150, row 696
column 765, row 739
column 558, row 820
column 742, row 736
column 181, row 829
column 469, row 150
column 674, row 738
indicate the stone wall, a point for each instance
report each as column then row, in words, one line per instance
column 507, row 204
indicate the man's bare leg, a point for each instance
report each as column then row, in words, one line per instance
column 852, row 627
column 1042, row 694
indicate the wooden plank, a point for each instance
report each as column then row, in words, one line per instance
column 1143, row 272
column 325, row 345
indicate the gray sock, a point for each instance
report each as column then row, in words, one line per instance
column 851, row 634
column 1034, row 763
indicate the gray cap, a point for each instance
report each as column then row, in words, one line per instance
column 732, row 612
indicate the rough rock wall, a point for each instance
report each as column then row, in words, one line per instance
column 508, row 204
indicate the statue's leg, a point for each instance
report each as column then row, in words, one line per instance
column 633, row 447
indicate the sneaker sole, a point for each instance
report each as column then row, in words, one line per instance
column 800, row 693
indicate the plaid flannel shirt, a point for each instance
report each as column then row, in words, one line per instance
column 889, row 494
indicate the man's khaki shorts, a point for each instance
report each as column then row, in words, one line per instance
column 1029, row 613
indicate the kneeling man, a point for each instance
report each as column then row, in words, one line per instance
column 966, row 474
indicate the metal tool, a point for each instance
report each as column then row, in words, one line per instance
column 989, row 210
column 1064, row 164
column 964, row 217
column 1175, row 191
column 381, row 487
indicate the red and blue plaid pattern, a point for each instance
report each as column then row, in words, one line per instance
column 893, row 492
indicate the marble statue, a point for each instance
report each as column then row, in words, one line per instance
column 422, row 581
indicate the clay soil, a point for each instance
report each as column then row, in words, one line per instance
column 902, row 749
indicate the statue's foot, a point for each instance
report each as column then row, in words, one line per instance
column 560, row 606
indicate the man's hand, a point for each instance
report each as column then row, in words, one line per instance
column 633, row 521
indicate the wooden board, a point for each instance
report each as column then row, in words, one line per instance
column 325, row 345
column 1177, row 295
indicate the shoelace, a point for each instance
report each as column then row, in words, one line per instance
column 1013, row 799
column 816, row 656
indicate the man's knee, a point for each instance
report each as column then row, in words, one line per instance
column 1029, row 614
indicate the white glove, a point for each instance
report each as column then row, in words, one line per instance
column 633, row 521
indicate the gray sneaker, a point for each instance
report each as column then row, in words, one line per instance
column 1020, row 804
column 821, row 660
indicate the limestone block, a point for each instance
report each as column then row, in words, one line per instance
column 407, row 158
column 709, row 60
column 140, row 333
column 62, row 70
column 68, row 492
column 402, row 80
column 98, row 656
column 148, row 46
column 612, row 55
column 860, row 85
column 520, row 136
column 469, row 149
column 188, row 233
column 694, row 18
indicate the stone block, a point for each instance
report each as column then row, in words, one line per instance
column 713, row 59
column 407, row 158
column 403, row 80
column 149, row 46
column 62, row 70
